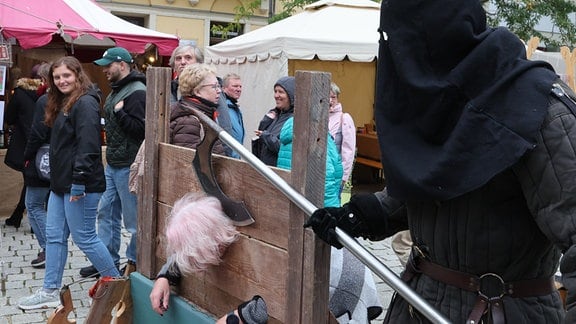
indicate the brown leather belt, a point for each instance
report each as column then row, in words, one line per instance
column 489, row 286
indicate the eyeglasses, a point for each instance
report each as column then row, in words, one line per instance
column 214, row 86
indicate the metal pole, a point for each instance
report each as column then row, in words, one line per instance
column 381, row 270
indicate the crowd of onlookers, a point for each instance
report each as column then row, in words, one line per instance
column 56, row 114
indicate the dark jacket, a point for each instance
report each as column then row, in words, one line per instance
column 173, row 91
column 185, row 127
column 268, row 144
column 39, row 135
column 19, row 115
column 75, row 147
column 515, row 226
column 482, row 154
column 125, row 128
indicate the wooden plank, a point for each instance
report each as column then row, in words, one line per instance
column 238, row 180
column 367, row 146
column 368, row 162
column 249, row 267
column 309, row 258
column 157, row 110
column 257, row 263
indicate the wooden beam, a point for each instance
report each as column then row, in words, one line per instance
column 157, row 119
column 309, row 258
column 570, row 61
column 532, row 46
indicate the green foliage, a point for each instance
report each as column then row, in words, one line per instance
column 242, row 12
column 289, row 7
column 520, row 16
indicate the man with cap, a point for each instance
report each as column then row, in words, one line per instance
column 124, row 111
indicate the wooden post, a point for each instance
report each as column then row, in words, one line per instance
column 309, row 258
column 569, row 60
column 157, row 119
column 532, row 46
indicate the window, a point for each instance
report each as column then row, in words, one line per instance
column 221, row 31
column 140, row 21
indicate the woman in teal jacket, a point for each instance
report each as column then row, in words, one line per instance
column 333, row 163
column 353, row 296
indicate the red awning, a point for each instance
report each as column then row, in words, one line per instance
column 32, row 23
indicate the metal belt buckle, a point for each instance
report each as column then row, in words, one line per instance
column 487, row 278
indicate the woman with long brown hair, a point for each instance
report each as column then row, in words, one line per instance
column 76, row 178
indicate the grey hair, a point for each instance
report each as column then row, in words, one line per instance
column 198, row 54
column 229, row 76
column 334, row 88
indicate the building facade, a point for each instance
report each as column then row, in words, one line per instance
column 192, row 21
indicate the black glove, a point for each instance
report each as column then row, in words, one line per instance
column 323, row 221
column 351, row 218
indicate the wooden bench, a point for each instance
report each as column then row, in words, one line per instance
column 368, row 152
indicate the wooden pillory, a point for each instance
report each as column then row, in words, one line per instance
column 274, row 257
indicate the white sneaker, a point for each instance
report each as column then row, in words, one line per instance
column 40, row 299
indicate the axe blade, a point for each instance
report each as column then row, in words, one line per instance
column 202, row 163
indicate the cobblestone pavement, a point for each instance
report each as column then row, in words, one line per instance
column 19, row 247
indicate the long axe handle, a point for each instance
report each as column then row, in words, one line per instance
column 389, row 277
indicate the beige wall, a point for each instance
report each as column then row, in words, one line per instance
column 214, row 6
column 182, row 19
column 184, row 28
column 356, row 81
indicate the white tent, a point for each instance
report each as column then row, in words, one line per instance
column 338, row 36
column 328, row 30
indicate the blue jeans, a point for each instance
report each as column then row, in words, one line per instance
column 116, row 203
column 78, row 219
column 36, row 211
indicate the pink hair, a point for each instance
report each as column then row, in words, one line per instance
column 198, row 232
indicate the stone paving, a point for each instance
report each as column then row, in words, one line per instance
column 19, row 247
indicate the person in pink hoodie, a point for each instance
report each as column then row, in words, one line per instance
column 342, row 129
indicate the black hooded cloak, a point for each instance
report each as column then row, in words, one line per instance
column 456, row 103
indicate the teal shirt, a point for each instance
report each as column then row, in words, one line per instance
column 334, row 169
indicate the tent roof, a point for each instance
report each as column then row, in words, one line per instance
column 329, row 30
column 83, row 22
